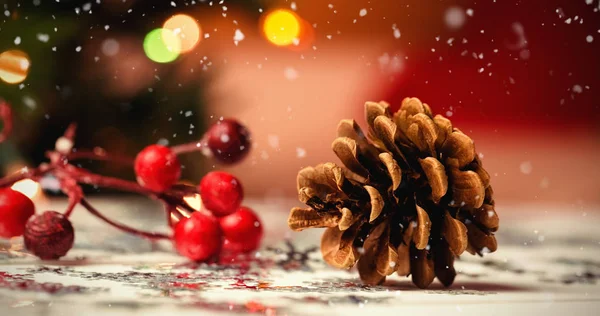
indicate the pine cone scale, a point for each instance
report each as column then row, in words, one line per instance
column 409, row 198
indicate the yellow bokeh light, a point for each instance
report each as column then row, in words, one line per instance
column 14, row 66
column 186, row 28
column 281, row 27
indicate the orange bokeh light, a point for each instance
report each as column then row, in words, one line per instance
column 186, row 28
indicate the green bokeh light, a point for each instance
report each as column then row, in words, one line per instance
column 162, row 45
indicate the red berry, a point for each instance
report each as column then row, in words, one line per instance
column 198, row 237
column 221, row 193
column 49, row 235
column 15, row 210
column 242, row 230
column 228, row 140
column 157, row 168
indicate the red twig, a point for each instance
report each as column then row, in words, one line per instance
column 187, row 148
column 25, row 173
column 99, row 154
column 6, row 118
column 70, row 177
column 148, row 235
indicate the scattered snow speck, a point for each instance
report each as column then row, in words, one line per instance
column 293, row 6
column 106, row 27
column 78, row 49
column 17, row 40
column 173, row 4
column 362, row 12
column 390, row 64
column 224, row 138
column 396, row 31
column 7, row 13
column 526, row 167
column 589, row 38
column 455, row 17
column 290, row 73
column 163, row 142
column 110, row 47
column 86, row 7
column 449, row 113
column 238, row 36
column 188, row 113
column 273, row 141
column 29, row 102
column 300, row 152
column 43, row 37
column 470, row 12
column 577, row 89
column 545, row 183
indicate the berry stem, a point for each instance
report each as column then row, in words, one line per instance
column 84, row 176
column 127, row 229
column 99, row 154
column 25, row 174
column 188, row 148
column 6, row 119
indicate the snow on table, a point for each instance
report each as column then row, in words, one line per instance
column 547, row 263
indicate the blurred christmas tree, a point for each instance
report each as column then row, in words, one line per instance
column 86, row 63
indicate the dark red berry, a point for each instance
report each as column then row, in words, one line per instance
column 221, row 193
column 228, row 140
column 49, row 235
column 157, row 168
column 242, row 230
column 198, row 237
column 15, row 210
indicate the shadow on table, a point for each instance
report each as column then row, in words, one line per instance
column 458, row 287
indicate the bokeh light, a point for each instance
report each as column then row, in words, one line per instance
column 186, row 28
column 14, row 66
column 162, row 45
column 28, row 187
column 281, row 27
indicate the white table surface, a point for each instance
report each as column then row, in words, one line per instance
column 548, row 263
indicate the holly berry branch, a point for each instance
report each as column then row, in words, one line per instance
column 198, row 235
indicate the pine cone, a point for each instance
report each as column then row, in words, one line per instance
column 412, row 196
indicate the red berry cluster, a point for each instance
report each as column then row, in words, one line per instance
column 222, row 224
column 225, row 225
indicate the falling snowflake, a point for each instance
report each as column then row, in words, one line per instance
column 43, row 37
column 290, row 73
column 526, row 167
column 362, row 12
column 455, row 17
column 300, row 152
column 238, row 36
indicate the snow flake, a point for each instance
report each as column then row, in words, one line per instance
column 300, row 152
column 526, row 167
column 589, row 38
column 238, row 36
column 17, row 40
column 273, row 141
column 362, row 12
column 455, row 17
column 43, row 37
column 78, row 49
column 290, row 73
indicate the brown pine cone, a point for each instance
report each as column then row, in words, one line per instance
column 412, row 196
